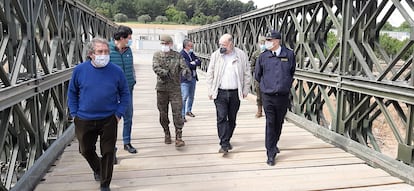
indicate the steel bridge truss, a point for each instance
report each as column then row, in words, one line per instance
column 41, row 41
column 345, row 82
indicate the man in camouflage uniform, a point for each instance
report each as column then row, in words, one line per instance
column 169, row 66
column 256, row 87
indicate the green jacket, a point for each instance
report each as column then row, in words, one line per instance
column 169, row 67
column 125, row 61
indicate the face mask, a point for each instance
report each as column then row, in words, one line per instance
column 190, row 51
column 268, row 45
column 223, row 50
column 262, row 47
column 101, row 61
column 165, row 48
column 129, row 43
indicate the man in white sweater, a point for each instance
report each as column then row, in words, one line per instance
column 228, row 80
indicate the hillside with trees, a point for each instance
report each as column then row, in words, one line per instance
column 173, row 11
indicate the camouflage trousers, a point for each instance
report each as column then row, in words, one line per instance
column 258, row 93
column 163, row 100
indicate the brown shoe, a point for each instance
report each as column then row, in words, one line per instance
column 190, row 114
column 179, row 143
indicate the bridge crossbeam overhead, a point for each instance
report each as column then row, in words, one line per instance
column 346, row 82
column 41, row 42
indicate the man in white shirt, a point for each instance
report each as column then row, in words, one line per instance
column 228, row 80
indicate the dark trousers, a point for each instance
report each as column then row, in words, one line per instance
column 275, row 107
column 87, row 132
column 227, row 105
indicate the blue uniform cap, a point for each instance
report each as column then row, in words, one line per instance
column 273, row 35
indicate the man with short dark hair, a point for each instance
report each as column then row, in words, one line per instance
column 98, row 96
column 274, row 71
column 188, row 86
column 169, row 66
column 121, row 55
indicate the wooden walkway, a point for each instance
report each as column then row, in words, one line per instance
column 305, row 162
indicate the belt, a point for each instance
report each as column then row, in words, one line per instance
column 228, row 90
column 277, row 94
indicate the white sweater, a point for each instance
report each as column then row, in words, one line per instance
column 216, row 68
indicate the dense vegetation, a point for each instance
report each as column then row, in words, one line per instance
column 175, row 11
column 390, row 45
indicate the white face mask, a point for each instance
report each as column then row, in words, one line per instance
column 129, row 43
column 268, row 45
column 262, row 47
column 101, row 61
column 165, row 48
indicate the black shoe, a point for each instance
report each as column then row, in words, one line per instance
column 128, row 147
column 105, row 189
column 271, row 161
column 224, row 150
column 97, row 176
column 190, row 114
column 115, row 159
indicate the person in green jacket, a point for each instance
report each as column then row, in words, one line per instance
column 121, row 55
column 256, row 54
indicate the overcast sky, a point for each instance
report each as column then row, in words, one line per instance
column 396, row 19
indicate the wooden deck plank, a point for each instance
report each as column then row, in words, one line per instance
column 305, row 162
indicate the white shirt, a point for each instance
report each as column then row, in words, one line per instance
column 229, row 78
column 278, row 51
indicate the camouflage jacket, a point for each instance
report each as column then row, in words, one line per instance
column 255, row 55
column 169, row 67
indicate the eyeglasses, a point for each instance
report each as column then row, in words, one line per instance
column 101, row 52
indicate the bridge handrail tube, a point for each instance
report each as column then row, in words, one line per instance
column 373, row 158
column 32, row 177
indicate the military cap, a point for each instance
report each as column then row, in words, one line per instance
column 273, row 35
column 166, row 38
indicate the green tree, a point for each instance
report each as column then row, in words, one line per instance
column 120, row 17
column 331, row 40
column 410, row 52
column 150, row 7
column 161, row 19
column 176, row 16
column 144, row 18
column 404, row 27
column 124, row 6
column 212, row 9
column 388, row 27
column 390, row 45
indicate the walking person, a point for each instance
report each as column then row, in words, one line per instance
column 274, row 71
column 98, row 96
column 188, row 86
column 169, row 66
column 228, row 80
column 256, row 54
column 121, row 55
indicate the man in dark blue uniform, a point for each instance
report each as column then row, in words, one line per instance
column 274, row 71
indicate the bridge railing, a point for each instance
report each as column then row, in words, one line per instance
column 345, row 82
column 41, row 42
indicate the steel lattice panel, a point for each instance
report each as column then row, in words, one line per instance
column 349, row 85
column 41, row 43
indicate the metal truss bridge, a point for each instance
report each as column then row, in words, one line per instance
column 348, row 89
